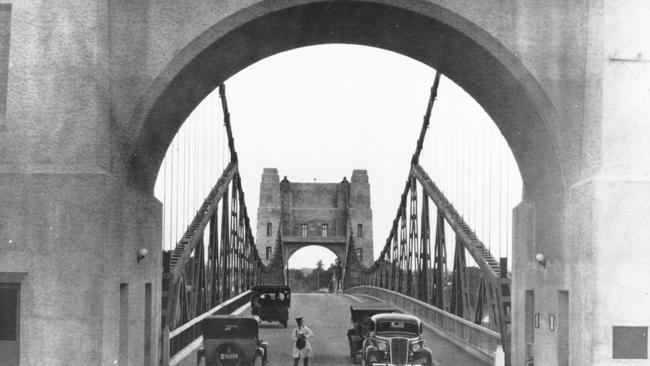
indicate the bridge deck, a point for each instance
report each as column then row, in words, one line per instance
column 328, row 316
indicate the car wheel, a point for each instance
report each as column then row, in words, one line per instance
column 201, row 361
column 259, row 361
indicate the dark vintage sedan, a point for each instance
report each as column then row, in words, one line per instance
column 396, row 340
column 271, row 303
column 231, row 340
column 360, row 317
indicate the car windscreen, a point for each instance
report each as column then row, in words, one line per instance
column 363, row 316
column 390, row 326
column 226, row 330
column 271, row 298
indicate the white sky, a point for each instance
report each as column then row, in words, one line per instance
column 317, row 113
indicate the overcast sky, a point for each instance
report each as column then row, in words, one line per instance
column 317, row 113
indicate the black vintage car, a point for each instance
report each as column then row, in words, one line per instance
column 395, row 340
column 271, row 302
column 360, row 318
column 231, row 340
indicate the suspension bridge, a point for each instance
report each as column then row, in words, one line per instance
column 217, row 261
column 93, row 95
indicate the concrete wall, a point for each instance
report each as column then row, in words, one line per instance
column 361, row 214
column 67, row 221
column 268, row 211
column 75, row 248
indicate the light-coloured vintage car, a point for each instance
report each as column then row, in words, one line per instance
column 396, row 340
column 231, row 340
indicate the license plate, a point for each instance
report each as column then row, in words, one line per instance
column 229, row 356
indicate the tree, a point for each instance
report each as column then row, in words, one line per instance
column 319, row 268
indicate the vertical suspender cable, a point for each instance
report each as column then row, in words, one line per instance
column 469, row 174
column 483, row 181
column 182, row 185
column 508, row 210
column 187, row 177
column 476, row 180
column 500, row 199
column 164, row 204
column 490, row 192
column 193, row 192
column 174, row 206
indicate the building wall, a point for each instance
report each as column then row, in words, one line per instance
column 268, row 212
column 361, row 215
column 293, row 205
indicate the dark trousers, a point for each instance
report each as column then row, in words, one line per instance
column 305, row 361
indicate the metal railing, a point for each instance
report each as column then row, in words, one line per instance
column 185, row 335
column 479, row 338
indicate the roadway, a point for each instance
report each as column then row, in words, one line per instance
column 328, row 316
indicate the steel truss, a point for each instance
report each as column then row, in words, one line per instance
column 406, row 264
column 215, row 260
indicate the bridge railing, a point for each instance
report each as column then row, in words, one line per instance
column 182, row 339
column 413, row 261
column 478, row 340
column 214, row 263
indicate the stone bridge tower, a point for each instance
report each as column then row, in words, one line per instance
column 315, row 214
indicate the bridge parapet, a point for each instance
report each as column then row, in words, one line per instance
column 186, row 338
column 475, row 339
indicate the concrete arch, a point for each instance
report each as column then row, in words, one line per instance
column 423, row 30
column 291, row 249
column 449, row 36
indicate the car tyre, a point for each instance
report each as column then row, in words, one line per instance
column 259, row 361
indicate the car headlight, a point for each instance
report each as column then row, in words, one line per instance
column 416, row 346
column 381, row 346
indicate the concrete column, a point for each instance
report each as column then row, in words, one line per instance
column 67, row 221
column 76, row 237
column 361, row 214
column 268, row 212
column 608, row 257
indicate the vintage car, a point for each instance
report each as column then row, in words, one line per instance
column 231, row 340
column 271, row 302
column 395, row 339
column 360, row 318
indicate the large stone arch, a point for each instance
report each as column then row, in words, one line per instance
column 465, row 51
column 423, row 30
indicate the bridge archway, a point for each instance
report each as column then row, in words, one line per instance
column 291, row 249
column 316, row 252
column 425, row 31
column 474, row 58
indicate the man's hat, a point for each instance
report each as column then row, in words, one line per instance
column 299, row 319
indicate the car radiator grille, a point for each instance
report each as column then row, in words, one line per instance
column 399, row 349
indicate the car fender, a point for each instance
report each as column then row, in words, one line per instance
column 424, row 353
column 370, row 350
column 199, row 355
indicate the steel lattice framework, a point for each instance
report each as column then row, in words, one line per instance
column 216, row 259
column 408, row 265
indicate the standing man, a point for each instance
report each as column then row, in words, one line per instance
column 301, row 346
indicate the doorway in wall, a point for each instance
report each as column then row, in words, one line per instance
column 9, row 323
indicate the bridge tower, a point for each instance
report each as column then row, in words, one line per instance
column 314, row 214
